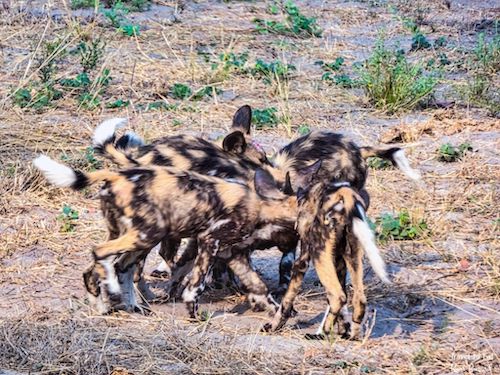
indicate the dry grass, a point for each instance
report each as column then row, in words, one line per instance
column 440, row 317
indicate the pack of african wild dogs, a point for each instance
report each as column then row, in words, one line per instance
column 223, row 201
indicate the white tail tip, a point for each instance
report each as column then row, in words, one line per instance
column 107, row 129
column 367, row 240
column 56, row 173
column 403, row 164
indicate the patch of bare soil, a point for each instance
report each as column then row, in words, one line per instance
column 441, row 315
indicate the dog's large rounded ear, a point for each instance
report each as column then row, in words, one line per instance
column 287, row 188
column 265, row 185
column 242, row 119
column 235, row 142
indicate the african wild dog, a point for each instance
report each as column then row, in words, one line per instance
column 342, row 160
column 145, row 205
column 334, row 232
column 238, row 160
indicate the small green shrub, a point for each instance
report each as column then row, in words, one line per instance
column 400, row 227
column 119, row 103
column 68, row 218
column 130, row 30
column 92, row 162
column 420, row 357
column 158, row 106
column 116, row 14
column 378, row 163
column 37, row 97
column 342, row 80
column 138, row 5
column 440, row 42
column 207, row 91
column 86, row 86
column 419, row 41
column 265, row 118
column 449, row 153
column 481, row 88
column 90, row 53
column 295, row 23
column 443, row 59
column 334, row 66
column 393, row 83
column 230, row 62
column 181, row 91
column 304, row 129
column 40, row 94
column 272, row 71
column 76, row 4
column 81, row 80
column 333, row 73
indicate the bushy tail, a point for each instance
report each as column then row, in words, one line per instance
column 366, row 238
column 63, row 176
column 395, row 155
column 104, row 142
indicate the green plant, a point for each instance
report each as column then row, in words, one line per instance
column 89, row 97
column 304, row 129
column 68, row 218
column 440, row 42
column 51, row 52
column 207, row 91
column 419, row 41
column 119, row 103
column 76, row 4
column 230, row 62
column 130, row 30
column 482, row 88
column 443, row 59
column 420, row 357
column 90, row 53
column 400, row 227
column 334, row 66
column 342, row 80
column 295, row 23
column 270, row 72
column 378, row 163
column 42, row 93
column 449, row 153
column 116, row 14
column 81, row 80
column 138, row 5
column 159, row 105
column 180, row 91
column 91, row 161
column 393, row 83
column 333, row 73
column 266, row 117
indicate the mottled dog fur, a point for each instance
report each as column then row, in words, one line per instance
column 145, row 205
column 237, row 160
column 342, row 160
column 334, row 232
column 331, row 237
